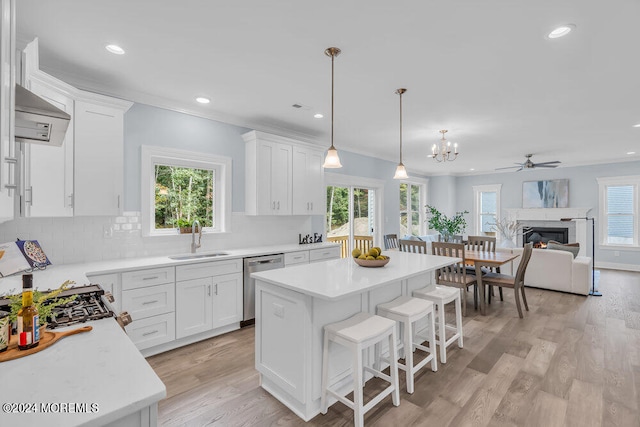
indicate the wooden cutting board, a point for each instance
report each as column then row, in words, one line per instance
column 47, row 339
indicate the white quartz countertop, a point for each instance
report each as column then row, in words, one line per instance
column 335, row 279
column 101, row 367
column 54, row 275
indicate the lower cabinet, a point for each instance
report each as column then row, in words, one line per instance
column 207, row 303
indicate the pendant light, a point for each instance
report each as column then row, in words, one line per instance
column 332, row 160
column 401, row 172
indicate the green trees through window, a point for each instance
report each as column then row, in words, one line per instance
column 183, row 195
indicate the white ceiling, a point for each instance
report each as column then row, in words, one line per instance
column 484, row 70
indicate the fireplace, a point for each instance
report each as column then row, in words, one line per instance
column 539, row 236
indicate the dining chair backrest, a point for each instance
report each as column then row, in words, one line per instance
column 413, row 246
column 455, row 273
column 455, row 238
column 390, row 241
column 481, row 243
column 522, row 268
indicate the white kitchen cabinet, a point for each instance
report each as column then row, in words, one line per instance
column 7, row 116
column 210, row 297
column 47, row 171
column 293, row 258
column 99, row 148
column 269, row 175
column 317, row 255
column 308, row 182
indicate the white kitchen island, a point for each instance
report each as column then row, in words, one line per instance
column 294, row 304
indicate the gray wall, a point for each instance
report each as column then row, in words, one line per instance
column 583, row 193
column 146, row 125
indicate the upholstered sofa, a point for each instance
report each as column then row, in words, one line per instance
column 556, row 270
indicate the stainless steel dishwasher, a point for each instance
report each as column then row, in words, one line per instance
column 253, row 265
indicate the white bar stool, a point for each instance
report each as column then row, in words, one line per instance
column 442, row 295
column 358, row 333
column 407, row 310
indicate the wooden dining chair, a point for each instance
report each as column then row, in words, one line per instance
column 456, row 238
column 455, row 275
column 516, row 282
column 413, row 246
column 485, row 243
column 390, row 241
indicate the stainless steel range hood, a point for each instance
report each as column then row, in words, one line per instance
column 38, row 121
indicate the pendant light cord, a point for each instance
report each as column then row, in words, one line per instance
column 332, row 60
column 400, row 127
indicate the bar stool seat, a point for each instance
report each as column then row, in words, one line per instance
column 358, row 333
column 406, row 311
column 442, row 295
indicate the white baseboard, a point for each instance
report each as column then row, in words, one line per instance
column 618, row 266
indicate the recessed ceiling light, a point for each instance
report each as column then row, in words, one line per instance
column 203, row 100
column 637, row 126
column 472, row 169
column 631, row 152
column 113, row 48
column 561, row 31
column 318, row 116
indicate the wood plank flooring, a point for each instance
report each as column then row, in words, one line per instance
column 572, row 361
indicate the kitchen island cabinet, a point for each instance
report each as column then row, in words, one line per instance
column 294, row 304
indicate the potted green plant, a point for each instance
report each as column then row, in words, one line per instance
column 446, row 226
column 45, row 302
column 184, row 226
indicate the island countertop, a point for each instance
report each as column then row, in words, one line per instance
column 340, row 278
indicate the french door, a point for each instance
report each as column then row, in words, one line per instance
column 353, row 215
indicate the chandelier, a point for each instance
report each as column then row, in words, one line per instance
column 332, row 160
column 443, row 153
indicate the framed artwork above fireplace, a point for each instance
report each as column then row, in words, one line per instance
column 545, row 194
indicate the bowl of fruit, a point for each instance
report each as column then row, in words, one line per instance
column 372, row 258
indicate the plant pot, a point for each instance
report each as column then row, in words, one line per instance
column 185, row 230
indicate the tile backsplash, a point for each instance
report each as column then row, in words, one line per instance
column 96, row 238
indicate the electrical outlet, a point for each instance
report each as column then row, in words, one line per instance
column 278, row 310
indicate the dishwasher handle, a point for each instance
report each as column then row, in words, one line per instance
column 268, row 261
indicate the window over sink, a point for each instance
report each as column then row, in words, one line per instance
column 180, row 186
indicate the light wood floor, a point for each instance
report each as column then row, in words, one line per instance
column 572, row 361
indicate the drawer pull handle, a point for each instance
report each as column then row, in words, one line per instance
column 298, row 257
column 150, row 302
column 146, row 334
column 150, row 278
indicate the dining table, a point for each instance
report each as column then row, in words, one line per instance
column 489, row 259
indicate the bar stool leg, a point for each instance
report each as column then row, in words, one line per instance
column 393, row 370
column 325, row 374
column 408, row 354
column 458, row 323
column 358, row 410
column 443, row 333
column 432, row 341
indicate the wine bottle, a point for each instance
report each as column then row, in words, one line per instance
column 28, row 327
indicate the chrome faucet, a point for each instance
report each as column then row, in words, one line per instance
column 195, row 246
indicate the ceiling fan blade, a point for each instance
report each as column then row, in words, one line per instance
column 542, row 165
column 510, row 167
column 555, row 162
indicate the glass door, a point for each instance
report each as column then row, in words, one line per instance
column 350, row 217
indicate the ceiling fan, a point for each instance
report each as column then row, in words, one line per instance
column 528, row 164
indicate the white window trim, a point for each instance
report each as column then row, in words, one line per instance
column 489, row 188
column 423, row 184
column 151, row 156
column 603, row 183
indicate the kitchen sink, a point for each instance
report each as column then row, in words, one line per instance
column 198, row 256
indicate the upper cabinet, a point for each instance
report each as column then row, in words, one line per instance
column 308, row 184
column 84, row 176
column 99, row 156
column 7, row 94
column 283, row 176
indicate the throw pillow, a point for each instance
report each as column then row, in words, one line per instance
column 574, row 248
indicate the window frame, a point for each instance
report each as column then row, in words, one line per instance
column 422, row 185
column 221, row 165
column 618, row 181
column 477, row 194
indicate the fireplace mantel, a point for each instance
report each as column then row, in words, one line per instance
column 555, row 214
